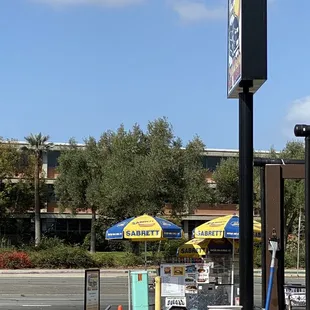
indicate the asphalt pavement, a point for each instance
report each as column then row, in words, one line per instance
column 66, row 291
column 58, row 292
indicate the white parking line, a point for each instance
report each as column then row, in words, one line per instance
column 36, row 305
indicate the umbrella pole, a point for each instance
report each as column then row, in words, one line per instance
column 232, row 274
column 145, row 258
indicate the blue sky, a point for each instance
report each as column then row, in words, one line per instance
column 75, row 68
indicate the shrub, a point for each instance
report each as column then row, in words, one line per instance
column 291, row 253
column 257, row 255
column 157, row 258
column 14, row 260
column 104, row 259
column 49, row 243
column 117, row 259
column 45, row 244
column 170, row 247
column 62, row 257
column 130, row 260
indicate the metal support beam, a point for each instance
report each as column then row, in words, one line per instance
column 275, row 220
column 293, row 171
column 246, row 198
column 261, row 161
column 307, row 218
column 263, row 233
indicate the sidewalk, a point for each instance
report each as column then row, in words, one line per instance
column 70, row 272
column 292, row 273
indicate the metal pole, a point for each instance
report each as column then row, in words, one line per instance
column 246, row 197
column 263, row 232
column 157, row 293
column 145, row 255
column 232, row 288
column 298, row 240
column 307, row 219
column 129, row 290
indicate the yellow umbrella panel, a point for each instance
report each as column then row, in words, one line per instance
column 224, row 227
column 144, row 228
column 194, row 248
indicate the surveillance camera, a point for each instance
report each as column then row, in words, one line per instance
column 302, row 130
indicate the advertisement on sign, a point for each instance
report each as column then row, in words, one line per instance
column 92, row 289
column 172, row 286
column 172, row 283
column 234, row 45
column 203, row 273
column 175, row 302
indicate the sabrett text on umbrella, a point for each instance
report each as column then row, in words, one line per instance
column 142, row 233
column 208, row 233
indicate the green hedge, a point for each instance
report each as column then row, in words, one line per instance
column 117, row 259
column 54, row 253
column 62, row 257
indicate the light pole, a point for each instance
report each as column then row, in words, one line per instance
column 302, row 130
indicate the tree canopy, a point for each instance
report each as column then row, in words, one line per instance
column 146, row 170
column 130, row 172
column 294, row 190
column 16, row 194
column 226, row 177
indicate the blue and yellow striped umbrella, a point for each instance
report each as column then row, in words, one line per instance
column 224, row 227
column 195, row 248
column 144, row 228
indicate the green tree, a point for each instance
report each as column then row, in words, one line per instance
column 37, row 145
column 16, row 184
column 15, row 172
column 293, row 189
column 226, row 177
column 16, row 198
column 9, row 159
column 144, row 171
column 79, row 177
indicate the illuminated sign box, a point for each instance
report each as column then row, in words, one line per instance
column 247, row 45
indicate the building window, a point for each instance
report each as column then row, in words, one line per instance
column 51, row 196
column 210, row 162
column 85, row 225
column 52, row 159
column 191, row 227
column 61, row 225
column 48, row 225
column 74, row 225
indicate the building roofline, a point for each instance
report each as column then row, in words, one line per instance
column 65, row 144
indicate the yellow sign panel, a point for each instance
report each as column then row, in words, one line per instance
column 194, row 248
column 143, row 227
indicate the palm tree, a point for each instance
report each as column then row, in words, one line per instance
column 37, row 145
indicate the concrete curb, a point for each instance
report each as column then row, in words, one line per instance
column 290, row 273
column 67, row 271
column 152, row 271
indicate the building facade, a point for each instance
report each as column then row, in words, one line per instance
column 59, row 223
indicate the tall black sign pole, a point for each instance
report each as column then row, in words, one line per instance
column 304, row 131
column 246, row 73
column 246, row 196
